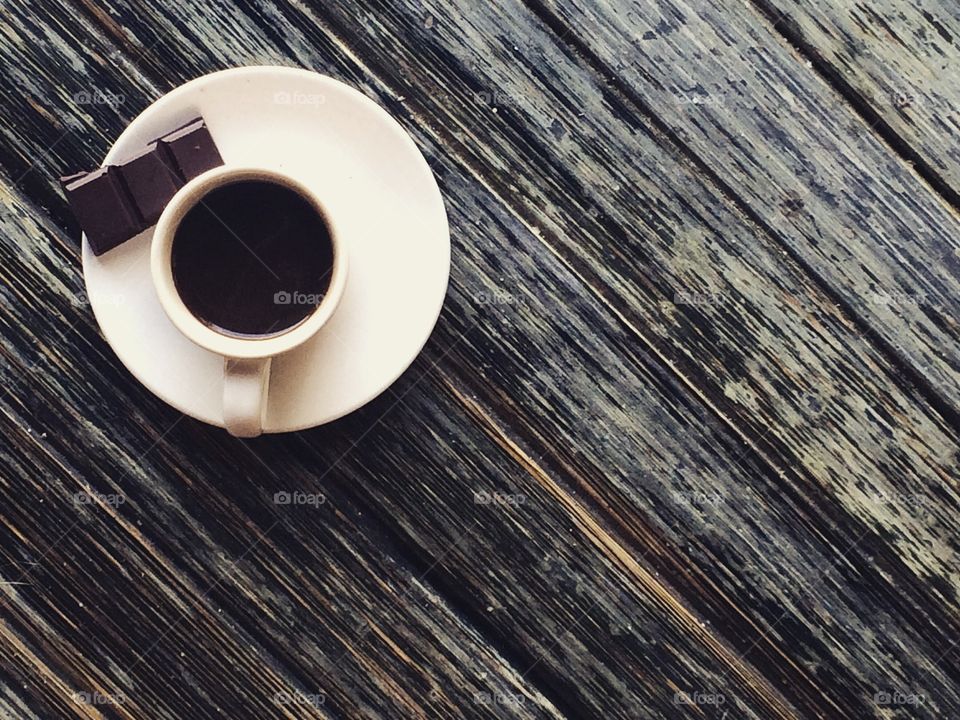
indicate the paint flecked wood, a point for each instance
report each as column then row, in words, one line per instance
column 796, row 158
column 899, row 62
column 730, row 492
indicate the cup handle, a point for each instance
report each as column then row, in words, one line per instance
column 245, row 395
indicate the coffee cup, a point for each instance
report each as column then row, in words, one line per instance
column 248, row 264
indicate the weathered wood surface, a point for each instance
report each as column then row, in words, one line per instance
column 898, row 64
column 794, row 157
column 730, row 492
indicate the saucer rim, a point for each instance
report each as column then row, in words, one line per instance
column 396, row 129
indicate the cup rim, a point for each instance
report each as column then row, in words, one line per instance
column 161, row 270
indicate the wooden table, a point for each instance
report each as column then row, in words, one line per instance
column 684, row 442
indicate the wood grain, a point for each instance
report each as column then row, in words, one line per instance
column 172, row 584
column 726, row 492
column 812, row 424
column 623, row 700
column 196, row 595
column 798, row 160
column 897, row 64
column 240, row 577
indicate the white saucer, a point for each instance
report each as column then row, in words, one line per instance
column 371, row 177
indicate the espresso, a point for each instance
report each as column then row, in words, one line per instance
column 252, row 258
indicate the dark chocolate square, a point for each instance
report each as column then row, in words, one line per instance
column 151, row 181
column 102, row 207
column 192, row 148
column 114, row 203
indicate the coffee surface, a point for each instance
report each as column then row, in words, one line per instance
column 253, row 258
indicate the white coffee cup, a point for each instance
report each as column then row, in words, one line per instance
column 247, row 359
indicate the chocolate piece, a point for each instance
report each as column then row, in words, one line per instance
column 152, row 181
column 103, row 208
column 192, row 149
column 116, row 202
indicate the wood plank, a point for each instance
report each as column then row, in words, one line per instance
column 187, row 574
column 197, row 572
column 797, row 160
column 197, row 562
column 195, row 595
column 617, row 696
column 896, row 63
column 806, row 327
column 529, row 394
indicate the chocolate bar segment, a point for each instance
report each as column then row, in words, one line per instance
column 192, row 148
column 151, row 181
column 116, row 202
column 103, row 208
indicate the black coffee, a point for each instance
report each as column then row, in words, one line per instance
column 252, row 258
